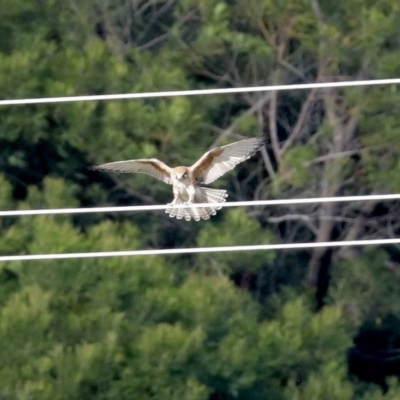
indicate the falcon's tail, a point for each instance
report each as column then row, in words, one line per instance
column 203, row 195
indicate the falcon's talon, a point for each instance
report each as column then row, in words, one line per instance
column 187, row 181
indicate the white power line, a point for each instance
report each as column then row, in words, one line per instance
column 198, row 250
column 146, row 95
column 310, row 200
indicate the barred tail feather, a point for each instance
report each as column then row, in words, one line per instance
column 173, row 212
column 203, row 195
column 207, row 195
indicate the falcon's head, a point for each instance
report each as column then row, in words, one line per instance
column 181, row 173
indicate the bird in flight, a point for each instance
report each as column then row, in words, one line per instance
column 186, row 181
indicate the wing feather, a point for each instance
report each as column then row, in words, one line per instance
column 220, row 160
column 149, row 166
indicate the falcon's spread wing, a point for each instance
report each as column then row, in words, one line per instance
column 220, row 160
column 150, row 166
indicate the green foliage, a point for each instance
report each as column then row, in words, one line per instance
column 392, row 393
column 380, row 135
column 366, row 286
column 178, row 328
column 236, row 229
column 296, row 168
column 326, row 384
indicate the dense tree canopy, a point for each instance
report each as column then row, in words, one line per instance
column 317, row 324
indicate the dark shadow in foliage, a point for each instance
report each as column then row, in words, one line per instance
column 218, row 395
column 29, row 165
column 376, row 352
column 323, row 278
column 9, row 283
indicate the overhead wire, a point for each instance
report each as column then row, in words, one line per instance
column 199, row 92
column 196, row 250
column 288, row 202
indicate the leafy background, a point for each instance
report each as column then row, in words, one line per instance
column 310, row 324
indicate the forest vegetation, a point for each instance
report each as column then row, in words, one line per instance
column 302, row 325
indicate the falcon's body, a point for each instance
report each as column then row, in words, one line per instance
column 183, row 184
column 187, row 181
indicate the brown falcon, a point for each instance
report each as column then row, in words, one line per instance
column 186, row 181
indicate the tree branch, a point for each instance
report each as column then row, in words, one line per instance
column 273, row 125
